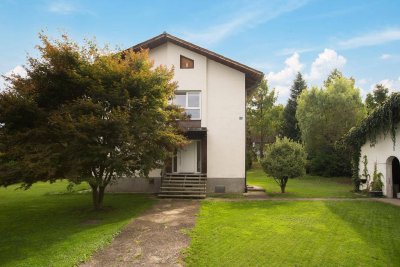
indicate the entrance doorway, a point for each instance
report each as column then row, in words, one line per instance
column 188, row 158
column 396, row 176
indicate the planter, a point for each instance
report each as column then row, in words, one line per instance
column 375, row 193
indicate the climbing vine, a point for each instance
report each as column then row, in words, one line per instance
column 383, row 119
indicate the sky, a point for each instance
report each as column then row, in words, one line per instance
column 359, row 37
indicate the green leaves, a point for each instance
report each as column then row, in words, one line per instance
column 86, row 114
column 324, row 116
column 284, row 158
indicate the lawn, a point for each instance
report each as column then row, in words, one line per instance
column 295, row 233
column 303, row 187
column 48, row 226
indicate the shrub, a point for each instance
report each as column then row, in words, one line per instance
column 376, row 184
column 284, row 159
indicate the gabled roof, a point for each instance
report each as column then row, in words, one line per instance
column 253, row 76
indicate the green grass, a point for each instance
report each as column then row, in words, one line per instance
column 303, row 187
column 295, row 233
column 47, row 226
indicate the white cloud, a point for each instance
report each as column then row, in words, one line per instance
column 18, row 70
column 326, row 61
column 61, row 7
column 392, row 85
column 289, row 51
column 216, row 33
column 385, row 56
column 319, row 70
column 371, row 39
column 245, row 19
column 283, row 79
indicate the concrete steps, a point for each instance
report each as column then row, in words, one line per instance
column 183, row 186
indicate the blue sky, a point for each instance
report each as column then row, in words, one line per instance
column 361, row 38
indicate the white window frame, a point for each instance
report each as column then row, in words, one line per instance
column 186, row 107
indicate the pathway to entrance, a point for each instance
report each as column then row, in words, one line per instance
column 156, row 238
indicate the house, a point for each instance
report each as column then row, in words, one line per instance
column 377, row 139
column 212, row 89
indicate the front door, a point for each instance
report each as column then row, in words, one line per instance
column 187, row 158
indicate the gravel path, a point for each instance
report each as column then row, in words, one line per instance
column 155, row 238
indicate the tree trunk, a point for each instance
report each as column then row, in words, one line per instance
column 97, row 196
column 283, row 184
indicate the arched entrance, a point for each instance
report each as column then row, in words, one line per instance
column 396, row 176
column 392, row 177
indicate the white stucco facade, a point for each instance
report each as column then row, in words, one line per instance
column 220, row 86
column 382, row 153
column 223, row 98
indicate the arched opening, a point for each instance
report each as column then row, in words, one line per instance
column 395, row 176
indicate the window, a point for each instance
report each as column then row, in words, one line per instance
column 187, row 63
column 191, row 102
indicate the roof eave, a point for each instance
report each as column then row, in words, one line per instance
column 253, row 76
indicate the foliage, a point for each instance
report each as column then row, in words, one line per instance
column 376, row 98
column 282, row 233
column 376, row 184
column 264, row 118
column 49, row 226
column 284, row 159
column 249, row 159
column 382, row 120
column 324, row 115
column 290, row 125
column 303, row 187
column 86, row 114
column 332, row 77
column 365, row 174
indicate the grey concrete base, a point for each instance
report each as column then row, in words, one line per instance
column 152, row 185
column 232, row 185
column 139, row 185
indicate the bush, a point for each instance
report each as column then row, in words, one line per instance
column 376, row 184
column 284, row 159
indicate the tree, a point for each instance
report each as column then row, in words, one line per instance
column 284, row 159
column 324, row 116
column 334, row 75
column 290, row 126
column 86, row 114
column 264, row 118
column 376, row 98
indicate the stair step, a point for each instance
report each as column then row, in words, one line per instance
column 181, row 180
column 184, row 182
column 183, row 192
column 182, row 196
column 183, row 187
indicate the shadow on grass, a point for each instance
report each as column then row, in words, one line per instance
column 41, row 226
column 378, row 224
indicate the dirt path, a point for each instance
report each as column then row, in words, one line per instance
column 156, row 238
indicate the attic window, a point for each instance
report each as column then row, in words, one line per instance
column 187, row 63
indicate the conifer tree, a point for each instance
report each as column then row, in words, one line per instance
column 290, row 127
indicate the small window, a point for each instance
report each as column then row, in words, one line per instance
column 187, row 63
column 191, row 102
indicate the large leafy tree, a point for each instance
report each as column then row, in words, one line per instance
column 324, row 116
column 376, row 98
column 290, row 125
column 264, row 118
column 85, row 114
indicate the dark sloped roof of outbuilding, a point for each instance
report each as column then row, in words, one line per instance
column 253, row 76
